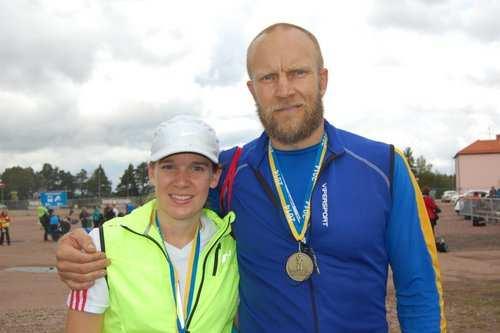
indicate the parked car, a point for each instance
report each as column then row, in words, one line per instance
column 447, row 195
column 459, row 204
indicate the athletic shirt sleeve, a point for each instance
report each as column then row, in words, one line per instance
column 96, row 298
column 413, row 257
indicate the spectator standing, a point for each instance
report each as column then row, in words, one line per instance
column 129, row 208
column 493, row 192
column 108, row 213
column 116, row 211
column 97, row 217
column 431, row 207
column 85, row 219
column 4, row 227
column 43, row 217
column 53, row 225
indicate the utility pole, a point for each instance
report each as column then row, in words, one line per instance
column 99, row 182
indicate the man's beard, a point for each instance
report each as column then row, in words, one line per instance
column 278, row 131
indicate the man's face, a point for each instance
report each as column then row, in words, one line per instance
column 287, row 84
column 181, row 184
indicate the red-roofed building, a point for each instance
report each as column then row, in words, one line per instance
column 477, row 166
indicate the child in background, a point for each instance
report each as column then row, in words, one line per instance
column 4, row 226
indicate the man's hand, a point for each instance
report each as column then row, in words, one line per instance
column 78, row 262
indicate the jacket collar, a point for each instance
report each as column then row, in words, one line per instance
column 335, row 147
column 141, row 220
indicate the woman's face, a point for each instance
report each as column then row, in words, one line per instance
column 182, row 182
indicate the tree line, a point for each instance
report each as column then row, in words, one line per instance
column 23, row 183
column 426, row 176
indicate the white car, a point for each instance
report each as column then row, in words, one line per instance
column 448, row 195
column 459, row 203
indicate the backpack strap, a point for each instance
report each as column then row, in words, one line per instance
column 226, row 191
column 391, row 166
column 103, row 247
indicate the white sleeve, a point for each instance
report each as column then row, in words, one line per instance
column 96, row 298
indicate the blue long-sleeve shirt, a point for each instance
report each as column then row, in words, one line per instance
column 367, row 213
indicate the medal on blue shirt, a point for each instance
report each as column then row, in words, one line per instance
column 299, row 265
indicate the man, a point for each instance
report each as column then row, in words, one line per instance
column 321, row 212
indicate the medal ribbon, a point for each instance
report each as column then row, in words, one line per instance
column 297, row 222
column 183, row 312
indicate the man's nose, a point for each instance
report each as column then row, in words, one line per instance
column 285, row 87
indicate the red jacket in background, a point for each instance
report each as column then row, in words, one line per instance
column 431, row 207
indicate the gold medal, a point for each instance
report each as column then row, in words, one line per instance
column 299, row 266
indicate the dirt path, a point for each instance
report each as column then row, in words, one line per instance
column 34, row 302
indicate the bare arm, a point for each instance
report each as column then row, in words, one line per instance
column 83, row 322
column 78, row 262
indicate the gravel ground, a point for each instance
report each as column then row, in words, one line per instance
column 35, row 302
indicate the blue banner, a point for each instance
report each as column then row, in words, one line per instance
column 54, row 199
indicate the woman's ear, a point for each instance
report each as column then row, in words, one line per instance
column 215, row 176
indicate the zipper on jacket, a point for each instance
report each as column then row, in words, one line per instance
column 313, row 304
column 273, row 199
column 188, row 320
column 311, row 285
column 216, row 259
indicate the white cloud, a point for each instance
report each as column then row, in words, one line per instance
column 85, row 82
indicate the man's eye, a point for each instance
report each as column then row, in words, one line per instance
column 298, row 72
column 269, row 77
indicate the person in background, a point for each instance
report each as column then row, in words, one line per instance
column 493, row 192
column 116, row 211
column 432, row 209
column 129, row 208
column 97, row 217
column 4, row 227
column 85, row 219
column 108, row 213
column 43, row 218
column 53, row 225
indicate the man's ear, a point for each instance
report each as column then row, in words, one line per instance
column 323, row 80
column 251, row 88
column 215, row 177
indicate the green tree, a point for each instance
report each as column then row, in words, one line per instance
column 142, row 179
column 81, row 179
column 98, row 184
column 66, row 182
column 408, row 153
column 45, row 178
column 128, row 183
column 20, row 180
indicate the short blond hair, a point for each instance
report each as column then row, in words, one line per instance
column 319, row 57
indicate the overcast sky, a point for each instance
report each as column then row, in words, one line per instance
column 86, row 82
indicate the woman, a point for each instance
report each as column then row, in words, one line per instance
column 173, row 262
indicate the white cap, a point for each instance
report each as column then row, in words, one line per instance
column 184, row 134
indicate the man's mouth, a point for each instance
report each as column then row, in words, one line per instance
column 285, row 108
